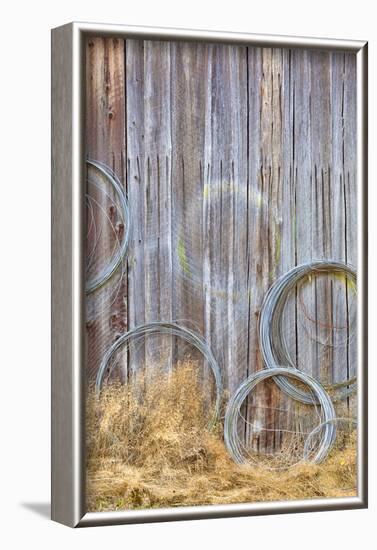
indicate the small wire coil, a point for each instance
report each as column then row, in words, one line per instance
column 317, row 430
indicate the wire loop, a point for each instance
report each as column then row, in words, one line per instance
column 272, row 344
column 231, row 437
column 107, row 272
column 173, row 329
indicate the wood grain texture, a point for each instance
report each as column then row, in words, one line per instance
column 149, row 185
column 265, row 162
column 105, row 142
column 189, row 62
column 241, row 164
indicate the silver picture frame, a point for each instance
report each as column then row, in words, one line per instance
column 68, row 181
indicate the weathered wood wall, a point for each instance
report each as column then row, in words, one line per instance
column 106, row 142
column 239, row 163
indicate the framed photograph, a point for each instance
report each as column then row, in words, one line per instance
column 209, row 275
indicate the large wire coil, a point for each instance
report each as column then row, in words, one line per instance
column 107, row 272
column 173, row 329
column 272, row 343
column 233, row 411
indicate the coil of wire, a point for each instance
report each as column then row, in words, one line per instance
column 317, row 430
column 108, row 271
column 233, row 410
column 273, row 346
column 173, row 329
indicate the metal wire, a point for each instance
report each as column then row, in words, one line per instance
column 232, row 414
column 317, row 430
column 173, row 329
column 272, row 344
column 107, row 272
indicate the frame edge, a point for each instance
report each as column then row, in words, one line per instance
column 362, row 180
column 93, row 519
column 66, row 253
column 68, row 494
column 216, row 36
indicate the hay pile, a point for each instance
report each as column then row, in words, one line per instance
column 148, row 446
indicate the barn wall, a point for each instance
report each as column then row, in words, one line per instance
column 239, row 163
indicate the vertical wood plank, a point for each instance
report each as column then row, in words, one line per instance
column 288, row 242
column 189, row 66
column 304, row 352
column 225, row 209
column 321, row 145
column 105, row 142
column 149, row 159
column 265, row 161
column 135, row 184
column 349, row 188
column 350, row 203
column 340, row 359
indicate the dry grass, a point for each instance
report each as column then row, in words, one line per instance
column 151, row 448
